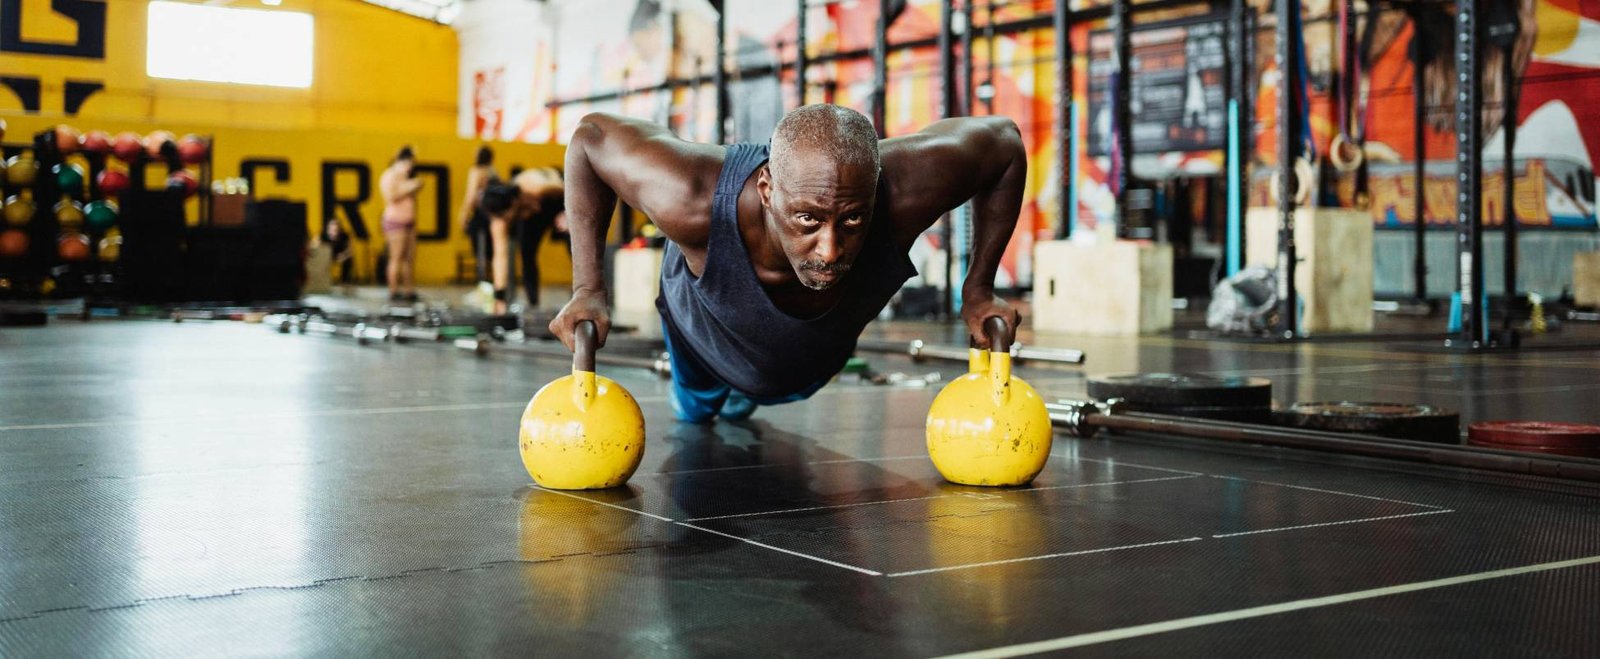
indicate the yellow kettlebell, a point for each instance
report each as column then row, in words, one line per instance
column 582, row 431
column 988, row 427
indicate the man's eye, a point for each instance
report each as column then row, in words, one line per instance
column 806, row 217
column 853, row 220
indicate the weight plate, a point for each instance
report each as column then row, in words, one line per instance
column 1181, row 390
column 1579, row 452
column 1423, row 423
column 1536, row 433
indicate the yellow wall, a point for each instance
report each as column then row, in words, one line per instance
column 380, row 79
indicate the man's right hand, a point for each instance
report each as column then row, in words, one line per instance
column 583, row 306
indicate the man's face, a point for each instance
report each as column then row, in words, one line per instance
column 822, row 211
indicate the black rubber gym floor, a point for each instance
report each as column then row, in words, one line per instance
column 219, row 489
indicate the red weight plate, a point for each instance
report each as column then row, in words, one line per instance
column 1536, row 433
column 1579, row 452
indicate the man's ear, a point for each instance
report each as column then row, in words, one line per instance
column 764, row 186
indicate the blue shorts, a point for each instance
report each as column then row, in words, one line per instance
column 698, row 395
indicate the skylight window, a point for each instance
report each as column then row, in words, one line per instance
column 223, row 44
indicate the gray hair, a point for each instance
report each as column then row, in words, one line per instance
column 844, row 134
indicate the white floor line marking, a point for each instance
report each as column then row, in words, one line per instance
column 786, row 511
column 608, row 505
column 997, row 494
column 769, row 466
column 1120, row 463
column 1040, row 558
column 1312, row 526
column 413, row 409
column 762, row 545
column 1102, row 484
column 1313, row 489
column 1093, row 638
column 706, row 530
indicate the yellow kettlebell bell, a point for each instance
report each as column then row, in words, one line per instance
column 988, row 427
column 582, row 431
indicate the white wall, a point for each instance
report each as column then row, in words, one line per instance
column 508, row 40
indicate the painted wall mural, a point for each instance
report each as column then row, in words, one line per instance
column 661, row 52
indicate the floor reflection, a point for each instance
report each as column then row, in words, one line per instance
column 786, row 476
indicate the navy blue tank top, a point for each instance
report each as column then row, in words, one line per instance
column 726, row 321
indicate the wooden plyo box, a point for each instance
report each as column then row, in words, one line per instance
column 636, row 281
column 1116, row 288
column 1586, row 279
column 319, row 270
column 1334, row 275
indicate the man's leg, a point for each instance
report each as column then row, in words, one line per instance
column 532, row 231
column 409, row 266
column 500, row 268
column 396, row 239
column 739, row 406
column 481, row 250
column 696, row 394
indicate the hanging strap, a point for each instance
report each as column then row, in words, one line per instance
column 1346, row 153
column 1297, row 32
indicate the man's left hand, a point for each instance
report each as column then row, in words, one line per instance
column 977, row 307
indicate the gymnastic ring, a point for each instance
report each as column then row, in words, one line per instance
column 1337, row 154
column 1302, row 175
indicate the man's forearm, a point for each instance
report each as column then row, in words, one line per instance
column 590, row 203
column 995, row 220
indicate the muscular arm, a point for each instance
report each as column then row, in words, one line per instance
column 612, row 157
column 938, row 169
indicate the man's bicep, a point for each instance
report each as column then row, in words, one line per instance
column 928, row 175
column 942, row 167
column 665, row 178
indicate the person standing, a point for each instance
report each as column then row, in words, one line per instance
column 399, row 186
column 338, row 243
column 474, row 222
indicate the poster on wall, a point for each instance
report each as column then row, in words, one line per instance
column 1178, row 98
column 1554, row 71
column 488, row 101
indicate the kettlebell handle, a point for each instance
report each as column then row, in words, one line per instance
column 999, row 333
column 584, row 336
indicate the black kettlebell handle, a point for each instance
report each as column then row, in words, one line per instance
column 999, row 333
column 584, row 337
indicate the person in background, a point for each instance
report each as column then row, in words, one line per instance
column 474, row 222
column 533, row 198
column 399, row 187
column 338, row 242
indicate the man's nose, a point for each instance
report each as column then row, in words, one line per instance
column 828, row 248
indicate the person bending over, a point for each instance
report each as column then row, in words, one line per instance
column 778, row 256
column 532, row 200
